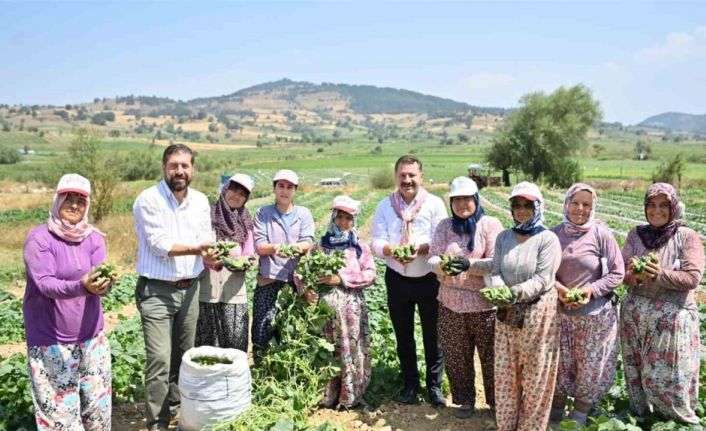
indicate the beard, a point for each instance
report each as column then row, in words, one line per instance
column 178, row 183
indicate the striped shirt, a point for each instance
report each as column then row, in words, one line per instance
column 161, row 222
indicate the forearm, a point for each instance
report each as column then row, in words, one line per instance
column 184, row 250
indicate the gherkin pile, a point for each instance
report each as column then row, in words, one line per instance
column 289, row 250
column 640, row 263
column 403, row 252
column 498, row 296
column 575, row 295
column 105, row 270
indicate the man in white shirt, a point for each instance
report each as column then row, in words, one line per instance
column 173, row 226
column 408, row 217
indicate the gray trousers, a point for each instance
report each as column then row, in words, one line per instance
column 169, row 317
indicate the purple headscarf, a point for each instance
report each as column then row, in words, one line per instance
column 655, row 237
column 573, row 229
column 232, row 225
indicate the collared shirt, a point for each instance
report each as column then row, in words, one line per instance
column 269, row 229
column 161, row 222
column 387, row 229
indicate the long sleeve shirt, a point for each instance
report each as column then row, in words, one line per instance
column 681, row 261
column 528, row 268
column 270, row 229
column 461, row 293
column 225, row 286
column 581, row 266
column 387, row 229
column 161, row 222
column 57, row 308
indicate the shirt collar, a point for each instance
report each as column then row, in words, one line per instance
column 164, row 189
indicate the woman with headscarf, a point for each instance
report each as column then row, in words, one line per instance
column 223, row 302
column 466, row 319
column 659, row 320
column 526, row 259
column 590, row 261
column 67, row 350
column 348, row 327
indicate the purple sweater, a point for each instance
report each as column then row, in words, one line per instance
column 57, row 308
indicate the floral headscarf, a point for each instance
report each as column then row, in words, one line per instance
column 532, row 226
column 230, row 224
column 573, row 229
column 655, row 237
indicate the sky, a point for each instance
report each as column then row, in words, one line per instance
column 638, row 58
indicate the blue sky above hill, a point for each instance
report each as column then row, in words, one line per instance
column 639, row 58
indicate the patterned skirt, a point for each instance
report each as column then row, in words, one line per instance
column 223, row 325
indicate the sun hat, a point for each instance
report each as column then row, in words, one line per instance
column 244, row 180
column 463, row 186
column 286, row 174
column 74, row 183
column 526, row 190
column 347, row 204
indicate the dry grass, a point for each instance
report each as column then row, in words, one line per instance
column 121, row 240
column 22, row 201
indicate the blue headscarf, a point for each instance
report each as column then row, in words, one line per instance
column 468, row 225
column 533, row 226
column 336, row 239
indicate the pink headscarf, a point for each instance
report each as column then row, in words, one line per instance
column 409, row 216
column 573, row 229
column 63, row 229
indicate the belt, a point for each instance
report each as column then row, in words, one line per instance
column 179, row 284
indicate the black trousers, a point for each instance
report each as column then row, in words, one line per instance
column 403, row 294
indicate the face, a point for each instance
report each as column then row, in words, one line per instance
column 73, row 208
column 284, row 192
column 236, row 196
column 408, row 178
column 658, row 210
column 178, row 171
column 344, row 221
column 463, row 206
column 522, row 209
column 580, row 207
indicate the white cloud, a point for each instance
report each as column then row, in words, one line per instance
column 675, row 46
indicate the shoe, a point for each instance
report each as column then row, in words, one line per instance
column 409, row 394
column 436, row 397
column 465, row 411
column 158, row 427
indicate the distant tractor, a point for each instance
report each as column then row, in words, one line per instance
column 480, row 174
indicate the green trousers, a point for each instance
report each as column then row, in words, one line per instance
column 169, row 317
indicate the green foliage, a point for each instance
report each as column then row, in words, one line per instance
column 289, row 250
column 403, row 252
column 540, row 137
column 382, row 179
column 670, row 171
column 12, row 326
column 122, row 293
column 575, row 295
column 16, row 411
column 643, row 150
column 317, row 264
column 567, row 174
column 127, row 350
column 9, row 156
column 100, row 167
column 288, row 379
column 140, row 165
column 639, row 263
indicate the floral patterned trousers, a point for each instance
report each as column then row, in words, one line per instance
column 660, row 342
column 71, row 385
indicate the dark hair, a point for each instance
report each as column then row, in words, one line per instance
column 176, row 148
column 232, row 185
column 274, row 184
column 407, row 160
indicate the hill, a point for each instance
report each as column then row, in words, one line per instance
column 677, row 122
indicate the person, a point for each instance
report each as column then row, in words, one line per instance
column 659, row 320
column 223, row 304
column 280, row 224
column 348, row 328
column 590, row 261
column 173, row 226
column 408, row 217
column 67, row 350
column 526, row 259
column 466, row 319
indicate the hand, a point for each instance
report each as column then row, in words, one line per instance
column 587, row 293
column 651, row 272
column 459, row 265
column 311, row 296
column 208, row 256
column 409, row 258
column 93, row 286
column 561, row 290
column 333, row 280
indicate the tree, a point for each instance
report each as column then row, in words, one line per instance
column 100, row 167
column 670, row 171
column 500, row 156
column 541, row 137
column 642, row 150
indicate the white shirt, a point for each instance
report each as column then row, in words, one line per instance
column 387, row 229
column 161, row 222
